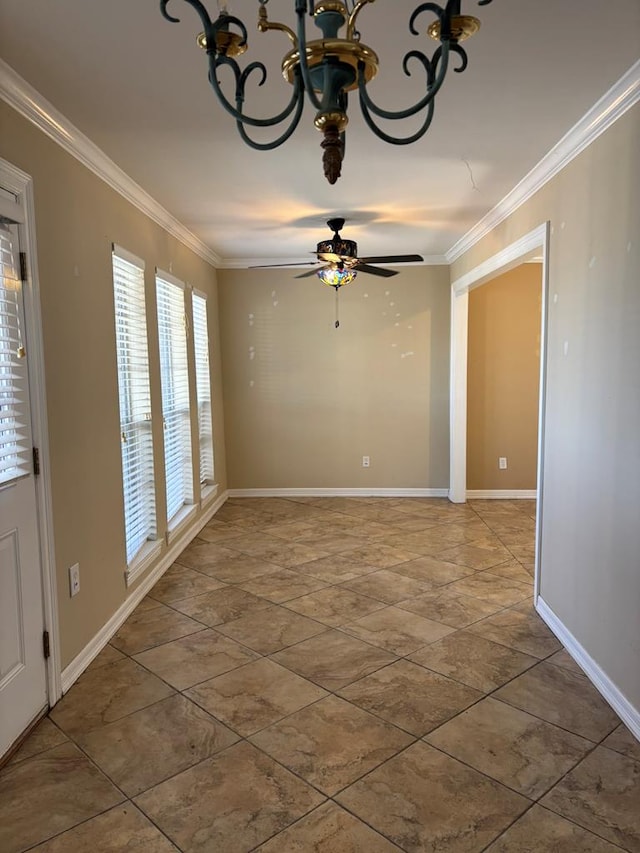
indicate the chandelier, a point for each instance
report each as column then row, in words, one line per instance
column 328, row 68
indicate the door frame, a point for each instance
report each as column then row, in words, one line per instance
column 18, row 182
column 508, row 258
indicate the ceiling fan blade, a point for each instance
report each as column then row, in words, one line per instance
column 393, row 259
column 309, row 272
column 381, row 271
column 267, row 266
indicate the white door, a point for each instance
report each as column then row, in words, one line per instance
column 23, row 675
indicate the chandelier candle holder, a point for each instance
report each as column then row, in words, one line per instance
column 328, row 68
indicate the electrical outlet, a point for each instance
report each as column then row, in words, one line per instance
column 502, row 463
column 366, row 461
column 74, row 579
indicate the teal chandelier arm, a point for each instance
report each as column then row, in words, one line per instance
column 217, row 59
column 435, row 79
column 302, row 50
column 298, row 102
column 325, row 69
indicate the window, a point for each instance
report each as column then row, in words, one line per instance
column 203, row 386
column 15, row 435
column 174, row 377
column 135, row 401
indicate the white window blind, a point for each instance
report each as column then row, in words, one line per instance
column 203, row 387
column 174, row 377
column 135, row 401
column 15, row 426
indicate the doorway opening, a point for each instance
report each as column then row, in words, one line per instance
column 533, row 244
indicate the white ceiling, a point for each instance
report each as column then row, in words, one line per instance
column 137, row 86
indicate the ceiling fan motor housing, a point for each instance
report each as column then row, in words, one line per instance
column 345, row 249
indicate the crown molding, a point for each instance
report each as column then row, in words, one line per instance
column 35, row 108
column 620, row 98
column 247, row 263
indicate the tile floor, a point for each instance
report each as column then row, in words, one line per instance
column 338, row 675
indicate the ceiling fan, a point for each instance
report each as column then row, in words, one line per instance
column 339, row 261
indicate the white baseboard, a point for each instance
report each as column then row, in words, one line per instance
column 501, row 494
column 629, row 715
column 93, row 648
column 338, row 493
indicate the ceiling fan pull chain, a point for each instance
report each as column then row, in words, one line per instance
column 337, row 323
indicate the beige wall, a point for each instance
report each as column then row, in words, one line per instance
column 590, row 534
column 503, row 379
column 77, row 219
column 305, row 401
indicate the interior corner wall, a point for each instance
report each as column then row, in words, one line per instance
column 304, row 401
column 78, row 216
column 503, row 376
column 590, row 536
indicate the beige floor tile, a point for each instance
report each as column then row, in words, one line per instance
column 255, row 696
column 524, row 553
column 397, row 631
column 146, row 604
column 381, row 556
column 513, row 570
column 387, row 586
column 234, row 567
column 108, row 655
column 200, row 555
column 275, row 550
column 231, row 802
column 334, row 659
column 328, row 829
column 335, row 605
column 48, row 794
column 145, row 630
column 220, row 532
column 221, row 605
column 179, row 582
column 424, row 800
column 291, row 531
column 474, row 661
column 332, row 542
column 410, row 696
column 151, row 745
column 376, row 532
column 432, row 571
column 338, row 522
column 525, row 632
column 491, row 588
column 512, row 747
column 450, row 608
column 542, row 831
column 562, row 698
column 269, row 630
column 195, row 658
column 376, row 512
column 335, row 569
column 44, row 736
column 331, row 743
column 415, row 523
column 283, row 585
column 474, row 557
column 490, row 542
column 107, row 694
column 121, row 828
column 621, row 740
column 444, row 536
column 564, row 659
column 602, row 794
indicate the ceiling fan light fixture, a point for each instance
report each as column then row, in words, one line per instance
column 336, row 276
column 325, row 70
